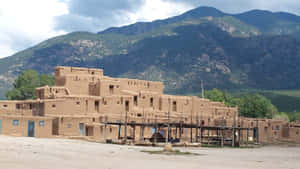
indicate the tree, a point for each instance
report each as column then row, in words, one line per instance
column 281, row 116
column 25, row 84
column 256, row 106
column 221, row 96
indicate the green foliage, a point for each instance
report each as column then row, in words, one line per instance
column 221, row 96
column 250, row 105
column 25, row 84
column 256, row 105
column 294, row 116
column 281, row 116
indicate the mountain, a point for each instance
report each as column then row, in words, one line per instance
column 255, row 49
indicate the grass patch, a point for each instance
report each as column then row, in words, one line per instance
column 173, row 152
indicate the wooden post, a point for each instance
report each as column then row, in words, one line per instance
column 257, row 132
column 191, row 128
column 168, row 129
column 119, row 132
column 208, row 136
column 125, row 130
column 133, row 134
column 201, row 134
column 233, row 137
column 242, row 133
column 197, row 132
column 155, row 132
column 247, row 135
column 105, row 123
column 239, row 137
column 180, row 130
column 222, row 138
column 142, row 127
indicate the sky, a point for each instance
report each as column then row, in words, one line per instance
column 25, row 23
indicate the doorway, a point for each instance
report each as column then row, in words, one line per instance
column 30, row 129
column 81, row 129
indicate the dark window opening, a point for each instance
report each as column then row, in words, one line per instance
column 174, row 106
column 110, row 130
column 5, row 105
column 97, row 106
column 78, row 103
column 18, row 106
column 53, row 105
column 139, row 115
column 30, row 106
column 86, row 105
column 135, row 100
column 94, row 119
column 151, row 102
column 111, row 89
column 126, row 105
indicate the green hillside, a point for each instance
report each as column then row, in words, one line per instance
column 225, row 51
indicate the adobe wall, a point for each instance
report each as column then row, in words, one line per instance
column 21, row 127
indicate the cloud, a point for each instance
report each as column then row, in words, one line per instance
column 96, row 15
column 237, row 6
column 25, row 23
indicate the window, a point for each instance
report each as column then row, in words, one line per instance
column 42, row 123
column 126, row 105
column 277, row 127
column 139, row 115
column 97, row 106
column 151, row 102
column 18, row 106
column 111, row 89
column 53, row 105
column 15, row 122
column 174, row 106
column 5, row 106
column 78, row 103
column 135, row 100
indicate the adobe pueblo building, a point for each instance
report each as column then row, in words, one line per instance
column 84, row 103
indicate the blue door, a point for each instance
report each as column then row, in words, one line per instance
column 81, row 129
column 30, row 132
column 255, row 133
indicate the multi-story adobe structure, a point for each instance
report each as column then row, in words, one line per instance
column 83, row 100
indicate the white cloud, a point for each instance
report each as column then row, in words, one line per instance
column 158, row 9
column 25, row 23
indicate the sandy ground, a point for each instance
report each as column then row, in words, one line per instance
column 17, row 153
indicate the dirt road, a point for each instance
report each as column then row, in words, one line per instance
column 32, row 153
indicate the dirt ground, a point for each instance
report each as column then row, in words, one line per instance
column 23, row 153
